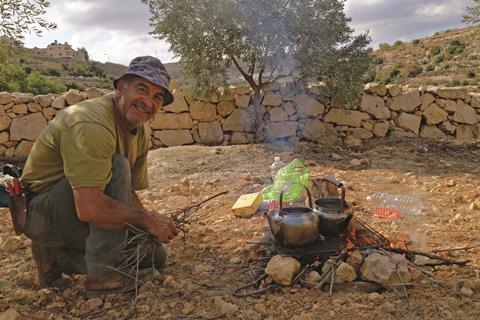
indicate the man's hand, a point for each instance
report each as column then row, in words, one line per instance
column 161, row 227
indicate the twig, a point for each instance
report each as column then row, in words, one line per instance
column 457, row 249
column 431, row 256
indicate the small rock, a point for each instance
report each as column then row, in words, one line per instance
column 260, row 308
column 451, row 183
column 355, row 259
column 93, row 304
column 11, row 244
column 9, row 314
column 312, row 277
column 235, row 260
column 170, row 282
column 466, row 291
column 107, row 305
column 187, row 308
column 475, row 205
column 201, row 268
column 374, row 296
column 356, row 162
column 388, row 307
column 282, row 269
column 336, row 157
column 224, row 307
column 421, row 260
column 345, row 273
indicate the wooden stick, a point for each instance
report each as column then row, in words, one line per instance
column 457, row 249
column 431, row 256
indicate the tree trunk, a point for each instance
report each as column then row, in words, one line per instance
column 259, row 117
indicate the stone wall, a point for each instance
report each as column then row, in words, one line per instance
column 228, row 118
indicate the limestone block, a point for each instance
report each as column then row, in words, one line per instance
column 241, row 90
column 408, row 101
column 427, row 99
column 242, row 138
column 308, row 106
column 93, row 93
column 360, row 133
column 465, row 132
column 34, row 107
column 6, row 98
column 2, row 111
column 434, row 114
column 409, row 122
column 346, row 117
column 432, row 132
column 465, row 114
column 448, row 126
column 475, row 100
column 4, row 137
column 172, row 138
column 367, row 125
column 450, row 105
column 203, row 111
column 282, row 129
column 225, row 108
column 5, row 122
column 210, row 133
column 242, row 120
column 171, row 121
column 451, row 93
column 242, row 101
column 27, row 127
column 352, row 142
column 9, row 152
column 376, row 88
column 319, row 131
column 59, row 103
column 179, row 103
column 24, row 98
column 22, row 150
column 394, row 89
column 43, row 100
column 386, row 270
column 375, row 106
column 278, row 114
column 73, row 96
column 282, row 269
column 49, row 113
column 20, row 109
column 196, row 136
column 227, row 95
column 380, row 129
column 272, row 99
column 289, row 108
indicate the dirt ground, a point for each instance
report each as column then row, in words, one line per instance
column 202, row 268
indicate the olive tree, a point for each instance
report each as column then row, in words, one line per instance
column 304, row 40
column 473, row 13
column 20, row 16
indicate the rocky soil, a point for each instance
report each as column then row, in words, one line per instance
column 202, row 269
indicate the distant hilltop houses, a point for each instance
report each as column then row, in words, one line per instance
column 63, row 51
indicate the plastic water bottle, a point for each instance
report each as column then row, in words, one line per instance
column 391, row 206
column 276, row 165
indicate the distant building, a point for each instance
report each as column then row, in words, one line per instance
column 62, row 51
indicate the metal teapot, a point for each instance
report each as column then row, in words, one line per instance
column 295, row 225
column 334, row 214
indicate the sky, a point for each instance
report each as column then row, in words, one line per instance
column 118, row 30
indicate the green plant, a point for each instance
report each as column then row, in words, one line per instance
column 377, row 60
column 415, row 71
column 430, row 68
column 471, row 74
column 435, row 50
column 384, row 46
column 473, row 13
column 465, row 83
column 416, row 41
column 455, row 47
column 38, row 84
column 438, row 59
column 446, row 66
column 455, row 83
column 397, row 44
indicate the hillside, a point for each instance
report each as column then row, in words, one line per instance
column 450, row 58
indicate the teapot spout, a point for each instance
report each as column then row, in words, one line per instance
column 273, row 222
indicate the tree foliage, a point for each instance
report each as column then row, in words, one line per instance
column 20, row 16
column 473, row 13
column 305, row 40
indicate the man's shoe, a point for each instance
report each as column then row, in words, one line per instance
column 47, row 268
column 113, row 283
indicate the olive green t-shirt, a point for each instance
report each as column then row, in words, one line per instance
column 79, row 144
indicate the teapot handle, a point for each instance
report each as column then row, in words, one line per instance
column 340, row 185
column 281, row 198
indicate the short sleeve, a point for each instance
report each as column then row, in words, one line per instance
column 87, row 150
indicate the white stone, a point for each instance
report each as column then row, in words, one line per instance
column 203, row 111
column 380, row 129
column 434, row 114
column 172, row 138
column 6, row 98
column 59, row 103
column 308, row 106
column 34, row 107
column 432, row 132
column 282, row 269
column 210, row 133
column 394, row 89
column 27, row 127
column 408, row 101
column 5, row 122
column 376, row 88
column 409, row 122
column 375, row 106
column 427, row 99
column 346, row 117
column 451, row 93
column 73, row 96
column 319, row 131
column 20, row 109
column 465, row 114
column 385, row 270
column 171, row 121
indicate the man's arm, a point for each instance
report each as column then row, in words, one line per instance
column 93, row 206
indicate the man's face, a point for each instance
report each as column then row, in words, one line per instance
column 138, row 100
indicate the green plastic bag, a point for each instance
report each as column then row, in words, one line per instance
column 292, row 180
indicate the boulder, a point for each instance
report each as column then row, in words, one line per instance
column 355, row 260
column 242, row 100
column 5, row 122
column 427, row 99
column 27, row 127
column 171, row 121
column 319, row 131
column 376, row 88
column 22, row 150
column 432, row 132
column 49, row 113
column 59, row 103
column 242, row 138
column 346, row 117
column 179, row 103
column 465, row 132
column 475, row 100
column 380, row 129
column 10, row 314
column 44, row 100
column 272, row 99
column 448, row 126
column 278, row 114
column 210, row 133
column 449, row 105
column 394, row 89
column 409, row 122
column 24, row 98
column 225, row 108
column 203, row 111
column 4, row 137
column 408, row 101
column 172, row 138
column 343, row 274
column 73, row 96
column 9, row 153
column 282, row 129
column 375, row 106
column 93, row 93
column 289, row 108
column 282, row 269
column 241, row 90
column 451, row 93
column 313, row 277
column 20, row 109
column 6, row 98
column 308, row 106
column 434, row 114
column 360, row 133
column 387, row 270
column 242, row 120
column 34, row 107
column 465, row 114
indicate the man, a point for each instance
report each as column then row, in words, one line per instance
column 82, row 173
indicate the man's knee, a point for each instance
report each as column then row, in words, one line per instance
column 120, row 185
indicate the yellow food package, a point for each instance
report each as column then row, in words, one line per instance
column 247, row 204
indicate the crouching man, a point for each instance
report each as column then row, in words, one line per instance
column 82, row 173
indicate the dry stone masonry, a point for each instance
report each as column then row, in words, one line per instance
column 229, row 118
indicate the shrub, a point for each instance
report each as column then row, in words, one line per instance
column 455, row 47
column 438, row 59
column 415, row 71
column 455, row 83
column 465, row 83
column 471, row 74
column 384, row 46
column 446, row 66
column 38, row 84
column 430, row 68
column 416, row 41
column 435, row 50
column 398, row 44
column 377, row 60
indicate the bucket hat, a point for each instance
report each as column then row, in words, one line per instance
column 151, row 69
